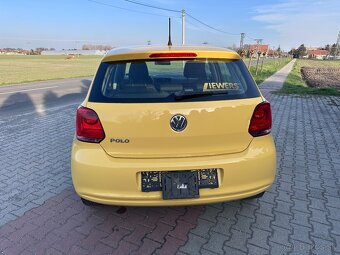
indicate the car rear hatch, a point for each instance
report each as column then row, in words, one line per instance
column 135, row 102
column 144, row 131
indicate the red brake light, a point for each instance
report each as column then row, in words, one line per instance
column 261, row 121
column 88, row 126
column 173, row 55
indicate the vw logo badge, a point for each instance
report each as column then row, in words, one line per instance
column 178, row 123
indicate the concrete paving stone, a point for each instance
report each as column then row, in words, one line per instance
column 265, row 208
column 301, row 233
column 243, row 224
column 322, row 246
column 215, row 242
column 207, row 252
column 263, row 222
column 256, row 250
column 238, row 240
column 248, row 209
column 279, row 249
column 282, row 220
column 223, row 226
column 203, row 228
column 231, row 250
column 229, row 212
column 301, row 205
column 300, row 213
column 210, row 213
column 148, row 247
column 260, row 238
column 336, row 245
column 301, row 218
column 321, row 231
column 194, row 244
column 170, row 245
column 299, row 247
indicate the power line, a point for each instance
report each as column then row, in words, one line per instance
column 178, row 11
column 250, row 37
column 211, row 27
column 127, row 9
column 169, row 10
column 152, row 6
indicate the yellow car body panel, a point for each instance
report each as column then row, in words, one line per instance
column 146, row 126
column 110, row 173
column 101, row 178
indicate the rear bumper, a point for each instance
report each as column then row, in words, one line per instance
column 101, row 178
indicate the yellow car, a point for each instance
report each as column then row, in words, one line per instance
column 165, row 126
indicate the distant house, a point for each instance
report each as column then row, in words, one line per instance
column 317, row 53
column 255, row 48
column 10, row 51
column 73, row 52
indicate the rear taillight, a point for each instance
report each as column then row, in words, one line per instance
column 88, row 126
column 261, row 121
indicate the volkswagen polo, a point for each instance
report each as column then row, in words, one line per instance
column 167, row 126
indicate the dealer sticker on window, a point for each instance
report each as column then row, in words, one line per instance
column 220, row 86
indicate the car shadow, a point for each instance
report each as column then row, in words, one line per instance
column 51, row 99
column 22, row 102
column 14, row 104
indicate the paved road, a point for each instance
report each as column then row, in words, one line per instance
column 300, row 214
column 40, row 96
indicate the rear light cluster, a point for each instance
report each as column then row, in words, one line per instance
column 261, row 121
column 88, row 126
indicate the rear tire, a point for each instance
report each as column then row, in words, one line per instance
column 88, row 203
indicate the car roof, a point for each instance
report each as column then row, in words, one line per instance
column 144, row 52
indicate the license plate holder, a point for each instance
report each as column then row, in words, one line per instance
column 180, row 185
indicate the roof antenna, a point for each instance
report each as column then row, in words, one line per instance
column 169, row 42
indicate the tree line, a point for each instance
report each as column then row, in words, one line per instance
column 301, row 51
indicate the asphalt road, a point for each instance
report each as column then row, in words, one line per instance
column 40, row 96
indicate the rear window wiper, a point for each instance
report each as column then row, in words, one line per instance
column 183, row 95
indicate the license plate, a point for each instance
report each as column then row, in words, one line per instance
column 152, row 180
column 180, row 184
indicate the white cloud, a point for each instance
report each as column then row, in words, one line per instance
column 314, row 23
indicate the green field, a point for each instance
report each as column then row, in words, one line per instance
column 22, row 68
column 268, row 69
column 294, row 83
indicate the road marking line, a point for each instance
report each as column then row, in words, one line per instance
column 24, row 90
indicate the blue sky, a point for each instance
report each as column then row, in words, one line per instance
column 69, row 24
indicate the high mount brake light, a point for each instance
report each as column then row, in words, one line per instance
column 88, row 126
column 261, row 121
column 173, row 55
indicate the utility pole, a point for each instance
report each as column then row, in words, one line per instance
column 183, row 27
column 241, row 40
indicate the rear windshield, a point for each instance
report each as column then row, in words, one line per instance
column 165, row 80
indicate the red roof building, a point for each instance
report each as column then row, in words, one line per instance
column 317, row 53
column 263, row 48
